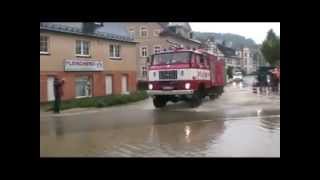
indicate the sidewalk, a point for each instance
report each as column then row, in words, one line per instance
column 79, row 111
column 72, row 111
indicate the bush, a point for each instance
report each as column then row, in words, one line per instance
column 142, row 85
column 102, row 101
column 100, row 104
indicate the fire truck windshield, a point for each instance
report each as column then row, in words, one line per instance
column 171, row 58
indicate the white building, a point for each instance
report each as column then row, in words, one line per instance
column 246, row 59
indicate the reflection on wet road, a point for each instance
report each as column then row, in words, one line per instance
column 237, row 124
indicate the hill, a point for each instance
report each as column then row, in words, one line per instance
column 232, row 40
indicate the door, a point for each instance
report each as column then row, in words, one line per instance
column 108, row 84
column 83, row 86
column 50, row 90
column 124, row 84
column 212, row 70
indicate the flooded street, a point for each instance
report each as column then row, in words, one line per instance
column 237, row 124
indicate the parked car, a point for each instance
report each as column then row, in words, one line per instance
column 238, row 76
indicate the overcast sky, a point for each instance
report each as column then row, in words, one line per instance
column 255, row 31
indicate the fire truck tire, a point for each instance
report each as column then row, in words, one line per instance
column 159, row 102
column 195, row 99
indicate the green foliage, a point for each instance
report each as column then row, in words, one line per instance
column 230, row 71
column 271, row 48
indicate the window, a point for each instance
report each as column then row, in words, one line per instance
column 205, row 61
column 131, row 33
column 156, row 32
column 144, row 52
column 82, row 47
column 143, row 32
column 114, row 51
column 197, row 59
column 144, row 72
column 157, row 49
column 201, row 59
column 171, row 58
column 83, row 86
column 44, row 44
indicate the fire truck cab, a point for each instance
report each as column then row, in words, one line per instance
column 184, row 74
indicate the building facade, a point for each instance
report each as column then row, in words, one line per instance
column 153, row 37
column 230, row 57
column 246, row 59
column 258, row 59
column 91, row 59
column 251, row 59
column 224, row 53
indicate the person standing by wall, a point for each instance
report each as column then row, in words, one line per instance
column 58, row 93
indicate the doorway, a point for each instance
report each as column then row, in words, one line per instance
column 50, row 88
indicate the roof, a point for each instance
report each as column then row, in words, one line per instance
column 167, row 31
column 111, row 31
column 228, row 52
column 170, row 33
column 183, row 24
column 164, row 25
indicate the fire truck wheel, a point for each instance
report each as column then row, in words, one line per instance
column 159, row 102
column 195, row 99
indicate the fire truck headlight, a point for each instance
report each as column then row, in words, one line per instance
column 187, row 85
column 150, row 86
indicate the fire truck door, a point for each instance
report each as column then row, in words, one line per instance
column 212, row 71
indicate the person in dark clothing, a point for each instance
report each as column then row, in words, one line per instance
column 275, row 81
column 262, row 81
column 58, row 93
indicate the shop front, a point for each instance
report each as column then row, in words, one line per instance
column 86, row 77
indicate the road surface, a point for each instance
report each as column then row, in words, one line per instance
column 237, row 124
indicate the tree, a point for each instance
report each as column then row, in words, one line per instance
column 230, row 72
column 271, row 48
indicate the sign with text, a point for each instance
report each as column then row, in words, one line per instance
column 83, row 65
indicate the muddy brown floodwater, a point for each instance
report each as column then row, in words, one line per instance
column 237, row 124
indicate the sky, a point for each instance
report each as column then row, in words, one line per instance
column 255, row 31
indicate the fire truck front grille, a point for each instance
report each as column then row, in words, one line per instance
column 168, row 75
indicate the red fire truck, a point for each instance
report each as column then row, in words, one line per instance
column 184, row 74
